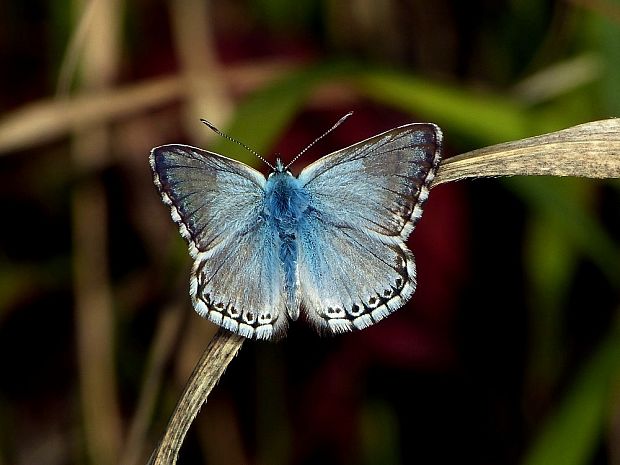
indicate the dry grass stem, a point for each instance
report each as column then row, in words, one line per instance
column 46, row 120
column 220, row 352
column 95, row 324
column 73, row 53
column 559, row 79
column 208, row 93
column 590, row 150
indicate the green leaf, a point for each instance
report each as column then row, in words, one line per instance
column 262, row 118
column 550, row 262
column 571, row 434
column 561, row 202
column 379, row 434
column 484, row 116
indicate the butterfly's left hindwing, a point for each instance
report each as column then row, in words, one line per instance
column 218, row 205
column 364, row 201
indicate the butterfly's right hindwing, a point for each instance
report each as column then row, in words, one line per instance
column 351, row 281
column 218, row 205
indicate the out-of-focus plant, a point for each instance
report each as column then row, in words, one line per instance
column 486, row 73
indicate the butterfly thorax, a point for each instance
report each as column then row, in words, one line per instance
column 285, row 203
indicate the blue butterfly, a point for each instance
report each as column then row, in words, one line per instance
column 329, row 243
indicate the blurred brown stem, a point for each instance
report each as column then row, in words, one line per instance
column 45, row 120
column 168, row 329
column 95, row 322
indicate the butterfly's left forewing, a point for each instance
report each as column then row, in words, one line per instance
column 218, row 203
column 354, row 265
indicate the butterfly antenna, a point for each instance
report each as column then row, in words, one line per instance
column 340, row 121
column 226, row 136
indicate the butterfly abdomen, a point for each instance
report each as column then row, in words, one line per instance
column 285, row 203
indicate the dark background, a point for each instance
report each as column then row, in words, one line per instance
column 508, row 353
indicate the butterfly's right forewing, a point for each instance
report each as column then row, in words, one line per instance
column 218, row 205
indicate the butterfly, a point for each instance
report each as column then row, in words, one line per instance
column 329, row 244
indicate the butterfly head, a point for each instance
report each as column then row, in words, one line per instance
column 280, row 168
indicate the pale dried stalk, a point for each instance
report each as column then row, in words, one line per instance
column 95, row 325
column 45, row 120
column 220, row 352
column 208, row 91
column 73, row 52
column 588, row 150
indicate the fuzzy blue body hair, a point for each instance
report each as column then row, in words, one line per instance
column 285, row 203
